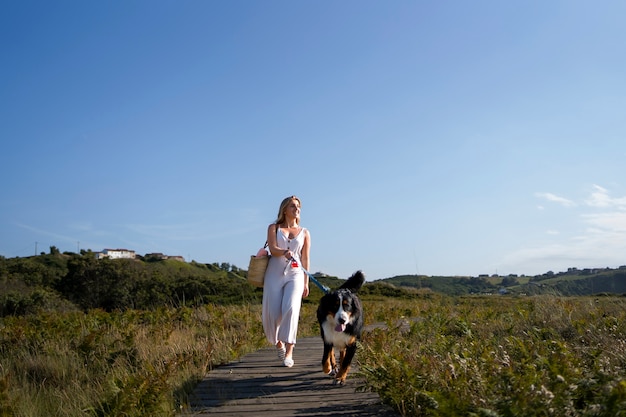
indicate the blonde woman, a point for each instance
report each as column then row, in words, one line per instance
column 285, row 281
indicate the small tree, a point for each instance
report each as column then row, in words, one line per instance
column 509, row 281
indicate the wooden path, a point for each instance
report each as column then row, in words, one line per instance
column 259, row 384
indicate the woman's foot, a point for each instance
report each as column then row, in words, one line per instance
column 288, row 361
column 281, row 351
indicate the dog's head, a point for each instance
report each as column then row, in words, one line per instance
column 342, row 307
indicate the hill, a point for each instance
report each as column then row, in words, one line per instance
column 574, row 282
column 67, row 281
column 62, row 281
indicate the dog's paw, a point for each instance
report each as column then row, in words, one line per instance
column 332, row 372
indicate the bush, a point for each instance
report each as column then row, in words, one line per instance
column 539, row 356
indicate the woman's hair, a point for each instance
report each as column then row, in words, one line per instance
column 281, row 211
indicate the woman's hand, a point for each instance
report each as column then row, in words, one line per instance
column 306, row 290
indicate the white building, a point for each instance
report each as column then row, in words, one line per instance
column 116, row 254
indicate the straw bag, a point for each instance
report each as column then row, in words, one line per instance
column 257, row 267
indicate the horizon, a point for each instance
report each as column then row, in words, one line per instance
column 495, row 275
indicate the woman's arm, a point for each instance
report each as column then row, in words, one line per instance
column 306, row 247
column 304, row 258
column 272, row 244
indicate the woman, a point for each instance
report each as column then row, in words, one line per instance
column 285, row 280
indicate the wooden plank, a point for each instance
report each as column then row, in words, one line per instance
column 258, row 383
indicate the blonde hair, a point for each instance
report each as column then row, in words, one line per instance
column 283, row 205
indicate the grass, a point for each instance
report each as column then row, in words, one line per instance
column 441, row 356
column 498, row 280
column 117, row 364
column 495, row 356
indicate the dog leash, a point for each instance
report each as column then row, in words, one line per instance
column 321, row 286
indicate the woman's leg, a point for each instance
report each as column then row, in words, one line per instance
column 289, row 350
column 271, row 313
column 292, row 301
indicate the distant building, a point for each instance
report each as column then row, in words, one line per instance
column 116, row 254
column 162, row 257
column 156, row 255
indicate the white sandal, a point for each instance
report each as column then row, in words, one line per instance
column 281, row 353
column 288, row 362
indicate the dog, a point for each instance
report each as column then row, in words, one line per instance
column 340, row 316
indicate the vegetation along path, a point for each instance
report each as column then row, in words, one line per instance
column 258, row 383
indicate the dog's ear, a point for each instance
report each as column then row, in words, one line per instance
column 355, row 282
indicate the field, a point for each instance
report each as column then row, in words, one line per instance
column 497, row 280
column 500, row 356
column 440, row 356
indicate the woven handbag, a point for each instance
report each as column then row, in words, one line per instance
column 257, row 267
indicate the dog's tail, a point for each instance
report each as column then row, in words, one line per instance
column 355, row 282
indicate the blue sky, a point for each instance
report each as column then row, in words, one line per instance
column 439, row 138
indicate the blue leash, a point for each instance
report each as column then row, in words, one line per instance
column 321, row 286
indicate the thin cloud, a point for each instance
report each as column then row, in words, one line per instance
column 170, row 232
column 600, row 198
column 601, row 242
column 556, row 199
column 596, row 248
column 614, row 222
column 49, row 234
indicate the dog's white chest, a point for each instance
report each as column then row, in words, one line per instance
column 338, row 339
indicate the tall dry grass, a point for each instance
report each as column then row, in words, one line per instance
column 497, row 356
column 440, row 356
column 117, row 364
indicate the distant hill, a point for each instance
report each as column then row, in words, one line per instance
column 71, row 281
column 444, row 285
column 571, row 283
column 579, row 282
column 67, row 281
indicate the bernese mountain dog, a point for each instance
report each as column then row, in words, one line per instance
column 340, row 316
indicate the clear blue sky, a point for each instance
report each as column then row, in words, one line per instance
column 439, row 138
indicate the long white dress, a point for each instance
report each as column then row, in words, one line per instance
column 282, row 291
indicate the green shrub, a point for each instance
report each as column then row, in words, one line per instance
column 538, row 356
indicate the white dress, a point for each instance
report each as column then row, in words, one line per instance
column 282, row 291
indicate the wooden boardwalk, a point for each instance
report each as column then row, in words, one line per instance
column 259, row 384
